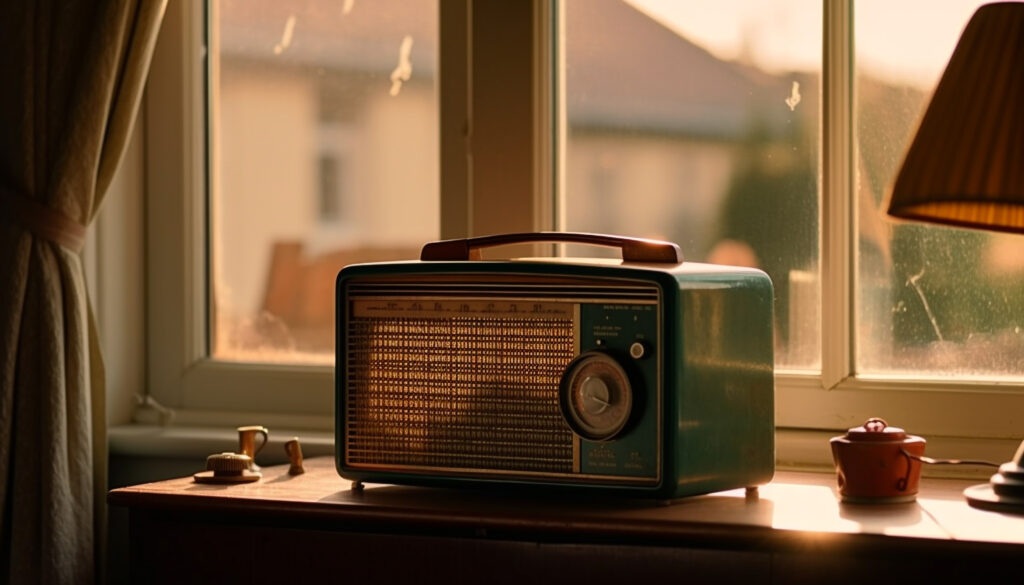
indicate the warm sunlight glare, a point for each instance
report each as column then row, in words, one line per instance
column 900, row 43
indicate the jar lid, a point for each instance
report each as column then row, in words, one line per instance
column 876, row 429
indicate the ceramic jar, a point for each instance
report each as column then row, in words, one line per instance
column 875, row 463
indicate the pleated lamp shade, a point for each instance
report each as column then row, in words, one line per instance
column 965, row 166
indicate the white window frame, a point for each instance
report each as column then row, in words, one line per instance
column 502, row 126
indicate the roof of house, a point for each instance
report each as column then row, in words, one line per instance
column 659, row 81
column 624, row 69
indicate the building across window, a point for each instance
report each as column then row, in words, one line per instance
column 327, row 134
column 682, row 130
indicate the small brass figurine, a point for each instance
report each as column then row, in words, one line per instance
column 294, row 451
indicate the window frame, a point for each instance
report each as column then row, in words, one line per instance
column 489, row 134
column 180, row 374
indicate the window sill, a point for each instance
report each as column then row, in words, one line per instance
column 796, row 450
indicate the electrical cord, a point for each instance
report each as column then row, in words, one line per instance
column 932, row 461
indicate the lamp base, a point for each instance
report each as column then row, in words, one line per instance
column 1005, row 491
column 983, row 497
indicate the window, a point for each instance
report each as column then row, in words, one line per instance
column 934, row 301
column 324, row 121
column 701, row 127
column 523, row 118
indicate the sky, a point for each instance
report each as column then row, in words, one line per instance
column 898, row 40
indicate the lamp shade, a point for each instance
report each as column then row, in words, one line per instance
column 965, row 166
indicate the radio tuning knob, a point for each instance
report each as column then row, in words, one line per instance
column 596, row 396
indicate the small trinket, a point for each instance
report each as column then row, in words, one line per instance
column 247, row 443
column 294, row 451
column 877, row 464
column 227, row 468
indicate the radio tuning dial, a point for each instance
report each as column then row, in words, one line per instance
column 596, row 396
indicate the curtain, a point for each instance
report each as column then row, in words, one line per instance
column 71, row 79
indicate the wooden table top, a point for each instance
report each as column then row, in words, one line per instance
column 795, row 509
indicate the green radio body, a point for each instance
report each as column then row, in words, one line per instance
column 638, row 379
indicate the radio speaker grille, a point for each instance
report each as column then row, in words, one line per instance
column 458, row 393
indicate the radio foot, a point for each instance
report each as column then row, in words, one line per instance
column 752, row 494
column 357, row 486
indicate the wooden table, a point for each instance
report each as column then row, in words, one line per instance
column 314, row 526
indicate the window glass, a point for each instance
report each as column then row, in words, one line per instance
column 700, row 126
column 324, row 133
column 931, row 300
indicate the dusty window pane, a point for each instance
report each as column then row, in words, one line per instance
column 700, row 126
column 931, row 300
column 323, row 120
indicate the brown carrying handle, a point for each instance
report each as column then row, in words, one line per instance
column 633, row 249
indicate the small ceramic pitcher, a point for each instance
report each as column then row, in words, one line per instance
column 247, row 442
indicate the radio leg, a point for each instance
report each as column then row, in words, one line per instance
column 357, row 486
column 752, row 494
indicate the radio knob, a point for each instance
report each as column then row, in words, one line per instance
column 638, row 350
column 596, row 396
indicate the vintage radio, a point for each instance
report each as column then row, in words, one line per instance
column 645, row 377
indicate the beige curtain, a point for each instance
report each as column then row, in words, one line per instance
column 71, row 78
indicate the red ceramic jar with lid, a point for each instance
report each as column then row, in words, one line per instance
column 874, row 463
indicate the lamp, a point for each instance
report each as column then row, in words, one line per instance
column 965, row 166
